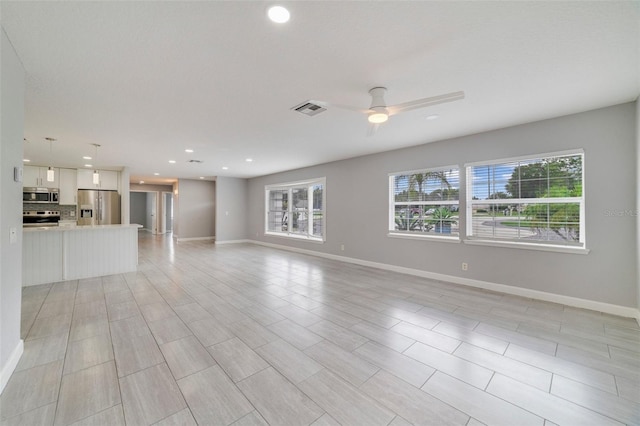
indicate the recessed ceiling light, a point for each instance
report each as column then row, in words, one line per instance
column 141, row 182
column 248, row 160
column 188, row 150
column 225, row 168
column 26, row 160
column 86, row 157
column 278, row 14
column 432, row 116
column 201, row 177
column 88, row 165
column 172, row 161
column 156, row 174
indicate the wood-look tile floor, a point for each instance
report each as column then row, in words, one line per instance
column 245, row 335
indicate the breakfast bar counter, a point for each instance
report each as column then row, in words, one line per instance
column 60, row 253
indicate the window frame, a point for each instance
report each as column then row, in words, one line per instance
column 290, row 187
column 469, row 238
column 394, row 233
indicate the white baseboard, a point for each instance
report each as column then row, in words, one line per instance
column 232, row 242
column 608, row 308
column 178, row 239
column 10, row 366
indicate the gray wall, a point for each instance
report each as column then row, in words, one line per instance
column 167, row 211
column 638, row 197
column 607, row 274
column 11, row 125
column 231, row 209
column 138, row 208
column 195, row 215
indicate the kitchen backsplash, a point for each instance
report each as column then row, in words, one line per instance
column 65, row 211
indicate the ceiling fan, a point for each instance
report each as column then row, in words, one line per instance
column 379, row 112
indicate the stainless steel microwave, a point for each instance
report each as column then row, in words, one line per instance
column 39, row 195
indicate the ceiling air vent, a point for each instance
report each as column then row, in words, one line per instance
column 194, row 161
column 309, row 108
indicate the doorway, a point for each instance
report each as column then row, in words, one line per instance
column 143, row 208
column 166, row 220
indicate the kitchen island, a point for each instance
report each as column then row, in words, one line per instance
column 60, row 253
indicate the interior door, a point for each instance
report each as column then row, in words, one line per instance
column 152, row 212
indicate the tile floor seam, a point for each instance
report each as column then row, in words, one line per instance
column 577, row 364
column 66, row 352
column 570, row 402
column 257, row 372
column 442, row 401
column 515, row 405
column 113, row 350
column 96, row 413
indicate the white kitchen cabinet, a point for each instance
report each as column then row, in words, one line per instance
column 108, row 179
column 68, row 187
column 36, row 176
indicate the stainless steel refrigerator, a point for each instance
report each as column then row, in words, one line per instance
column 98, row 207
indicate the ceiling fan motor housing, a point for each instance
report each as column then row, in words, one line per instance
column 377, row 97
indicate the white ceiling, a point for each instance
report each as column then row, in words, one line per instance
column 146, row 80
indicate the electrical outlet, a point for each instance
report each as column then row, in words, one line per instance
column 342, row 247
column 465, row 266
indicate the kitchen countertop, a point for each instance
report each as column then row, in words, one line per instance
column 71, row 227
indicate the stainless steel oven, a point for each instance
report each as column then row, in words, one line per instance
column 40, row 218
column 39, row 195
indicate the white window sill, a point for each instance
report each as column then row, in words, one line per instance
column 295, row 237
column 429, row 237
column 528, row 246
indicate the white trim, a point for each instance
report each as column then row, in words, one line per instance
column 555, row 200
column 608, row 308
column 232, row 242
column 194, row 239
column 527, row 246
column 536, row 156
column 292, row 236
column 429, row 169
column 288, row 185
column 428, row 237
column 10, row 366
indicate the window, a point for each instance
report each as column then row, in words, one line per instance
column 424, row 202
column 528, row 200
column 296, row 209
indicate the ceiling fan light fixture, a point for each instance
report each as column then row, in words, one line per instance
column 378, row 115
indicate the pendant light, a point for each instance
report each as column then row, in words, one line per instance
column 96, row 175
column 51, row 174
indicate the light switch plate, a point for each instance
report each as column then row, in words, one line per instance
column 17, row 174
column 13, row 235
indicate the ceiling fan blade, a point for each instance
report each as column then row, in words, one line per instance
column 372, row 129
column 347, row 107
column 425, row 102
